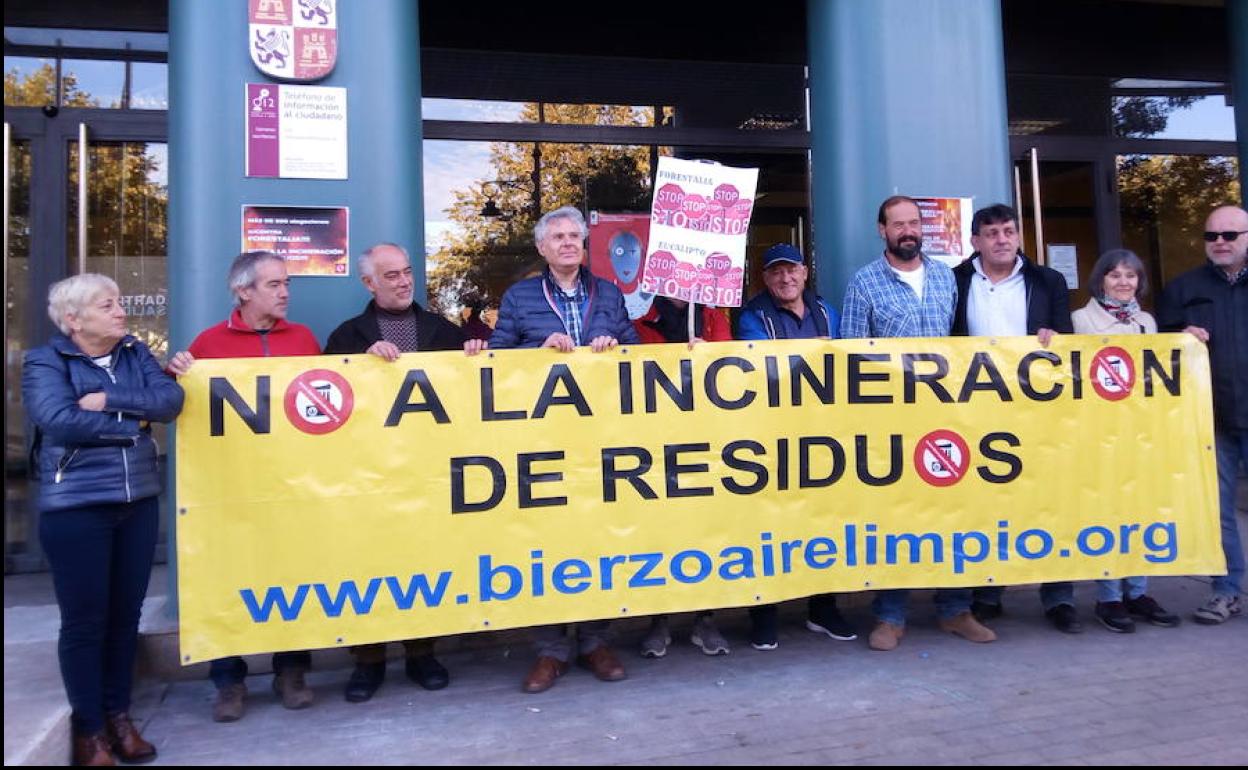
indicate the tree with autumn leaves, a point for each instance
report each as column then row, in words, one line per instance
column 485, row 255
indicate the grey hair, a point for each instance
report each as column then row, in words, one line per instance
column 365, row 262
column 242, row 273
column 567, row 212
column 72, row 295
column 1106, row 264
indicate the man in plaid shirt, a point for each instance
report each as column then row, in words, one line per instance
column 906, row 294
column 565, row 307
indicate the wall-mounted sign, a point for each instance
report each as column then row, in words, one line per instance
column 946, row 228
column 296, row 132
column 698, row 222
column 293, row 39
column 314, row 240
column 1064, row 258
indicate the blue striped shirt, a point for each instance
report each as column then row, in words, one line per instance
column 879, row 304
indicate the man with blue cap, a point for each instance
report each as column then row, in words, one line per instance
column 788, row 310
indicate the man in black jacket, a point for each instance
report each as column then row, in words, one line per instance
column 391, row 325
column 1001, row 293
column 1211, row 303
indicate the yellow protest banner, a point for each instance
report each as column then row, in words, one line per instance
column 344, row 500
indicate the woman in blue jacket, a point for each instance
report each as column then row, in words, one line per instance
column 92, row 393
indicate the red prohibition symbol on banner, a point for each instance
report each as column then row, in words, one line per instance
column 1113, row 374
column 319, row 401
column 941, row 458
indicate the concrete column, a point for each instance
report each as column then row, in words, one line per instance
column 379, row 65
column 209, row 65
column 906, row 96
column 1237, row 28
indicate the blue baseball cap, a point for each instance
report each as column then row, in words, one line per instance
column 782, row 252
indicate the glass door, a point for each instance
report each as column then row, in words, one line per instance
column 1059, row 211
column 122, row 199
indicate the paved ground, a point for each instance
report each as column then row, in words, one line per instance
column 1158, row 696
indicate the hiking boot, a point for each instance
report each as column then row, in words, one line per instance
column 885, row 636
column 1064, row 619
column 765, row 627
column 1218, row 609
column 228, row 707
column 827, row 619
column 654, row 643
column 986, row 610
column 290, row 687
column 1114, row 616
column 706, row 636
column 1147, row 608
column 966, row 626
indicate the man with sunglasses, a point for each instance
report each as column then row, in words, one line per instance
column 1211, row 303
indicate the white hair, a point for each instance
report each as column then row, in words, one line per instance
column 567, row 212
column 365, row 261
column 72, row 295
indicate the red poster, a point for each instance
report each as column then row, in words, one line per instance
column 617, row 247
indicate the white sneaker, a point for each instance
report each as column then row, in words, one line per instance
column 1218, row 609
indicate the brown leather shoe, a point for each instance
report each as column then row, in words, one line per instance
column 604, row 664
column 544, row 674
column 92, row 751
column 886, row 636
column 127, row 744
column 966, row 626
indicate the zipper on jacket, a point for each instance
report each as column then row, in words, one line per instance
column 125, row 465
column 62, row 465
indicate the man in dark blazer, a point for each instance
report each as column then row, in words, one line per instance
column 392, row 324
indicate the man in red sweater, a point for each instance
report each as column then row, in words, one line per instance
column 257, row 327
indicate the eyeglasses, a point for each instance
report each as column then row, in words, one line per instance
column 1227, row 235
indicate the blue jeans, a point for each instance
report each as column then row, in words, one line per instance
column 890, row 606
column 233, row 670
column 1111, row 590
column 101, row 558
column 1232, row 453
column 1051, row 594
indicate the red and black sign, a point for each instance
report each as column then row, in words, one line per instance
column 319, row 401
column 942, row 458
column 1113, row 374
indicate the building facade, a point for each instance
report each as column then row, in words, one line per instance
column 1107, row 123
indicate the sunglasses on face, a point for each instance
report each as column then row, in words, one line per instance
column 1227, row 235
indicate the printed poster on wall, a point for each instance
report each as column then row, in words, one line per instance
column 698, row 224
column 617, row 246
column 946, row 228
column 313, row 239
column 296, row 132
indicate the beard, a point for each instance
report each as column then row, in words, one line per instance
column 906, row 248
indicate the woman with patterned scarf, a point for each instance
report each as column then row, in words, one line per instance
column 1117, row 282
